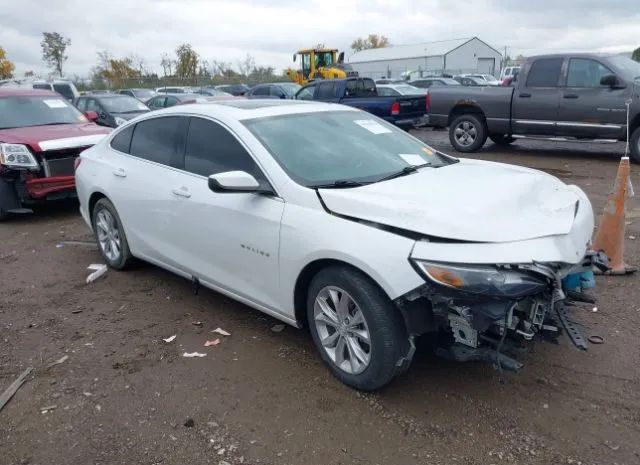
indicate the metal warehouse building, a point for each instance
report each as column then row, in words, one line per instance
column 469, row 55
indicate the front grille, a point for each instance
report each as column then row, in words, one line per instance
column 59, row 162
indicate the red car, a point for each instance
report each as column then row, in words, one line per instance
column 41, row 136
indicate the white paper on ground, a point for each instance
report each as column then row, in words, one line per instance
column 57, row 103
column 221, row 332
column 170, row 339
column 372, row 126
column 98, row 270
column 412, row 158
column 193, row 354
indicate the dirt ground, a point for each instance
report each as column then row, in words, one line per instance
column 124, row 395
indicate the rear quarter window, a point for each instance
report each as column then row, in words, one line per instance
column 122, row 141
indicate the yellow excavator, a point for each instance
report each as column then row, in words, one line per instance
column 319, row 63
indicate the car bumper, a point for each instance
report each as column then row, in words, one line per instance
column 45, row 188
column 412, row 122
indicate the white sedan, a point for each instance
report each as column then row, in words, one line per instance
column 324, row 216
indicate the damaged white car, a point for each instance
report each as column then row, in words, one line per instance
column 326, row 217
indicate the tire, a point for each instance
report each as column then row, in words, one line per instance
column 501, row 139
column 3, row 215
column 110, row 236
column 370, row 313
column 468, row 133
column 634, row 146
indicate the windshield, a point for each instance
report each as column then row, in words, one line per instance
column 123, row 104
column 23, row 111
column 144, row 94
column 324, row 59
column 338, row 146
column 410, row 90
column 630, row 69
column 290, row 88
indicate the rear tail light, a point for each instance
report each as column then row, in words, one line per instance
column 76, row 163
column 428, row 101
column 395, row 109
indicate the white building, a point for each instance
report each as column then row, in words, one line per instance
column 448, row 56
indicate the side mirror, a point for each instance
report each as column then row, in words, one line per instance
column 91, row 115
column 341, row 57
column 234, row 182
column 609, row 81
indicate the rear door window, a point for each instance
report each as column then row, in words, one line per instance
column 261, row 91
column 212, row 149
column 160, row 140
column 171, row 101
column 306, row 93
column 82, row 104
column 65, row 90
column 545, row 72
column 326, row 91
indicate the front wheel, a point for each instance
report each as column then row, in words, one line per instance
column 634, row 146
column 356, row 328
column 501, row 139
column 110, row 236
column 468, row 133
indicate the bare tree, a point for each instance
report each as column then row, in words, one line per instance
column 247, row 65
column 167, row 64
column 54, row 46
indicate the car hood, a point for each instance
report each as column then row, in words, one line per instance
column 473, row 201
column 55, row 136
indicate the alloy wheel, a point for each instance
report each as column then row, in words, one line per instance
column 108, row 235
column 465, row 133
column 342, row 330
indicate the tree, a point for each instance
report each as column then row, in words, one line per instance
column 54, row 46
column 373, row 41
column 247, row 65
column 187, row 62
column 6, row 66
column 140, row 64
column 636, row 55
column 116, row 71
column 167, row 64
column 28, row 73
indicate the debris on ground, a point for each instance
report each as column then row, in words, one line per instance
column 98, row 270
column 13, row 388
column 596, row 339
column 189, row 423
column 221, row 331
column 170, row 338
column 193, row 354
column 215, row 342
column 594, row 309
column 197, row 323
column 277, row 328
column 91, row 244
column 62, row 359
column 48, row 408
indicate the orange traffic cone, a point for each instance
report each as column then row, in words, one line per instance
column 610, row 235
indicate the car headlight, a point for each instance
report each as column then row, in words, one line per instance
column 484, row 280
column 119, row 120
column 17, row 156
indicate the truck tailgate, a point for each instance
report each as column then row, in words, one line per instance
column 412, row 106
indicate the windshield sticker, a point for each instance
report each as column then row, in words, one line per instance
column 412, row 158
column 55, row 103
column 372, row 126
column 428, row 151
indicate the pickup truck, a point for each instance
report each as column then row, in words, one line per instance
column 562, row 97
column 405, row 112
column 41, row 137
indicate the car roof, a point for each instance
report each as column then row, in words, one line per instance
column 6, row 91
column 241, row 109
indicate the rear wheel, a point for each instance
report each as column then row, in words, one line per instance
column 634, row 146
column 356, row 328
column 468, row 133
column 110, row 235
column 501, row 139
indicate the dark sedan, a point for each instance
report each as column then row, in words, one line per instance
column 141, row 94
column 281, row 90
column 426, row 83
column 170, row 100
column 234, row 89
column 112, row 109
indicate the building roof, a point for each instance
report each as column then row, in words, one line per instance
column 399, row 52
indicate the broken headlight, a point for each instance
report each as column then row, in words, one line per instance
column 484, row 280
column 17, row 156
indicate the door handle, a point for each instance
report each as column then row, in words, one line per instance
column 182, row 192
column 525, row 95
column 570, row 96
column 120, row 172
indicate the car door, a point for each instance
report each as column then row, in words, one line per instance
column 231, row 240
column 587, row 108
column 171, row 101
column 141, row 189
column 157, row 102
column 536, row 101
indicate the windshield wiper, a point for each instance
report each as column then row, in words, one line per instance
column 403, row 172
column 339, row 184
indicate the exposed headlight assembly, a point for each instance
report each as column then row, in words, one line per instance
column 17, row 156
column 119, row 120
column 483, row 280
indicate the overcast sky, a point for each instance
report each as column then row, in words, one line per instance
column 271, row 30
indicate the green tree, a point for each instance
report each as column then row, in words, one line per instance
column 116, row 71
column 54, row 46
column 372, row 41
column 187, row 62
column 6, row 66
column 636, row 55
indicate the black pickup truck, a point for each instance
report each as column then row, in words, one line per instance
column 405, row 112
column 568, row 97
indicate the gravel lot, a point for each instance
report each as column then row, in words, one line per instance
column 124, row 395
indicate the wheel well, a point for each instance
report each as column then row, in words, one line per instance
column 305, row 277
column 92, row 202
column 635, row 124
column 464, row 109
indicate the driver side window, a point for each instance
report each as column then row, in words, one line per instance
column 585, row 73
column 306, row 93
